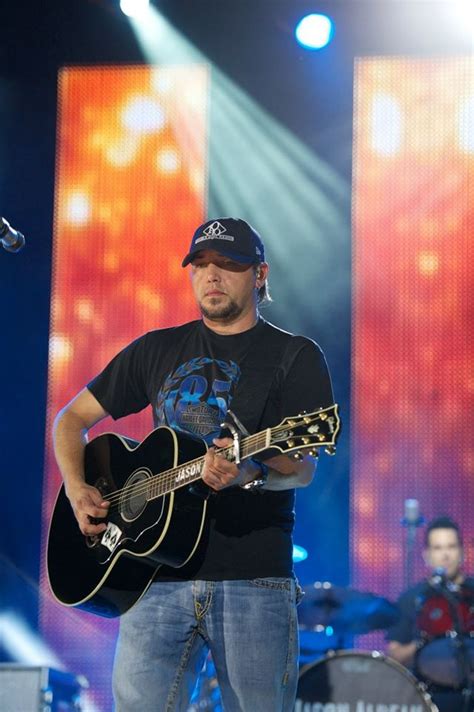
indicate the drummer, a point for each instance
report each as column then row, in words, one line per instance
column 426, row 611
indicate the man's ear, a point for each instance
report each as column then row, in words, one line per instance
column 262, row 271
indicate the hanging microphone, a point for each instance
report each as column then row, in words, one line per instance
column 411, row 511
column 12, row 240
column 411, row 521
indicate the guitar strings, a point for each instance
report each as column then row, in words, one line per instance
column 164, row 482
column 167, row 478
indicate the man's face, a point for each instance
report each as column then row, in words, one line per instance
column 444, row 550
column 224, row 289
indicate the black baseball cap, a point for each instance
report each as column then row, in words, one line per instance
column 231, row 237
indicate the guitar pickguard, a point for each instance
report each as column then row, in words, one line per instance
column 111, row 536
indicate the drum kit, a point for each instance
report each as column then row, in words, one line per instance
column 360, row 681
column 352, row 680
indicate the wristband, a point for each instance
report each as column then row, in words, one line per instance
column 260, row 480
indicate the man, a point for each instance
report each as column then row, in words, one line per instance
column 237, row 595
column 430, row 612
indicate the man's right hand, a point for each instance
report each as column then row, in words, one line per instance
column 70, row 430
column 87, row 502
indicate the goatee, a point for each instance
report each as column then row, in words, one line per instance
column 226, row 312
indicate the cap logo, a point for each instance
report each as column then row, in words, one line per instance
column 215, row 231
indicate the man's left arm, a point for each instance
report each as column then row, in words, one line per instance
column 279, row 473
column 305, row 387
column 285, row 472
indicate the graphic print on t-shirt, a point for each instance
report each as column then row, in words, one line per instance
column 196, row 396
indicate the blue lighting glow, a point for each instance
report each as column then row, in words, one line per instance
column 299, row 553
column 314, row 31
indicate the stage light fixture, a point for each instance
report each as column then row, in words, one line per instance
column 314, row 31
column 134, row 8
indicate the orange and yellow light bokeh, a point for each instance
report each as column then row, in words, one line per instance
column 413, row 332
column 131, row 188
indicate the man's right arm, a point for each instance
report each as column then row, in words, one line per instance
column 403, row 653
column 70, row 437
column 403, row 635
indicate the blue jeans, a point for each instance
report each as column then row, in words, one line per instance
column 250, row 627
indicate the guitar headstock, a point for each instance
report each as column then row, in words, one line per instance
column 308, row 431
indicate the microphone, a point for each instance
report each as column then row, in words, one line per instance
column 12, row 240
column 411, row 521
column 438, row 576
column 412, row 511
column 412, row 516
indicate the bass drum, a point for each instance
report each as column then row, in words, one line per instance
column 358, row 681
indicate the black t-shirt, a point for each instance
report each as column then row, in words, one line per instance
column 417, row 605
column 191, row 376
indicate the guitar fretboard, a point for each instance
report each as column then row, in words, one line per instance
column 173, row 479
column 318, row 429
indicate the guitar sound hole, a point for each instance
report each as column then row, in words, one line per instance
column 134, row 495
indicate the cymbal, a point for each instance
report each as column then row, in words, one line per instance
column 345, row 610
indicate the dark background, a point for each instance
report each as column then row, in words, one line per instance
column 253, row 42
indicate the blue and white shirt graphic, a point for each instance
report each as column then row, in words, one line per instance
column 196, row 396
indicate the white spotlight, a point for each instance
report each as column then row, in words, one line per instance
column 314, row 31
column 134, row 8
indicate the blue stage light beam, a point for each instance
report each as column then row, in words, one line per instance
column 23, row 644
column 314, row 31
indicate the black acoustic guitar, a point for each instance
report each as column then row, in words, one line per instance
column 154, row 517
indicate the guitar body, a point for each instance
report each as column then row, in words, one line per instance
column 108, row 574
column 154, row 518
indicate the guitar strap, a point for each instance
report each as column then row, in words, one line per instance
column 260, row 370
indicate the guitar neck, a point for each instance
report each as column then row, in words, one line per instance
column 306, row 431
column 171, row 480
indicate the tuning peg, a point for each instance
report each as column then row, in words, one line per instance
column 330, row 449
column 313, row 452
column 298, row 455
